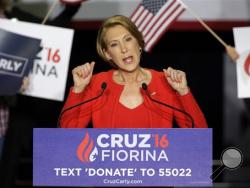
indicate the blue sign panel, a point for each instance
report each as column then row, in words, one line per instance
column 12, row 65
column 17, row 53
column 122, row 157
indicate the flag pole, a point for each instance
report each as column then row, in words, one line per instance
column 205, row 25
column 210, row 30
column 49, row 11
column 230, row 50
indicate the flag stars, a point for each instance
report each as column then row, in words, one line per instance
column 153, row 6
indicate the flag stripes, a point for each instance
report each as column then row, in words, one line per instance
column 154, row 17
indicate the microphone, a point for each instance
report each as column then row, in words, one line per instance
column 145, row 88
column 103, row 87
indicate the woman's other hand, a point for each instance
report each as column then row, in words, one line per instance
column 177, row 80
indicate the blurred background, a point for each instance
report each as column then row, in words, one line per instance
column 186, row 45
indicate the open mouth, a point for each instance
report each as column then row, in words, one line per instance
column 128, row 60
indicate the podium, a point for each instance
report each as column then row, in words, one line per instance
column 122, row 157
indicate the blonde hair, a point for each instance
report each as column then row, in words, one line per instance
column 111, row 22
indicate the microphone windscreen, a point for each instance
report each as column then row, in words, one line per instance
column 104, row 85
column 144, row 86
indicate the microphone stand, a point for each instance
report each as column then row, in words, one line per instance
column 103, row 87
column 145, row 88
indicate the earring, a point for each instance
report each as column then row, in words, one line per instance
column 140, row 49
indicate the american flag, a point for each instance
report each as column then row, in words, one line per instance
column 153, row 17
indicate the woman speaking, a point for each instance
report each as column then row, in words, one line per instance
column 128, row 95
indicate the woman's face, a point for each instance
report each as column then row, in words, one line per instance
column 122, row 48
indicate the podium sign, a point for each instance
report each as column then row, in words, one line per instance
column 122, row 157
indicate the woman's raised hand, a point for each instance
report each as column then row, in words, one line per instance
column 82, row 75
column 177, row 80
